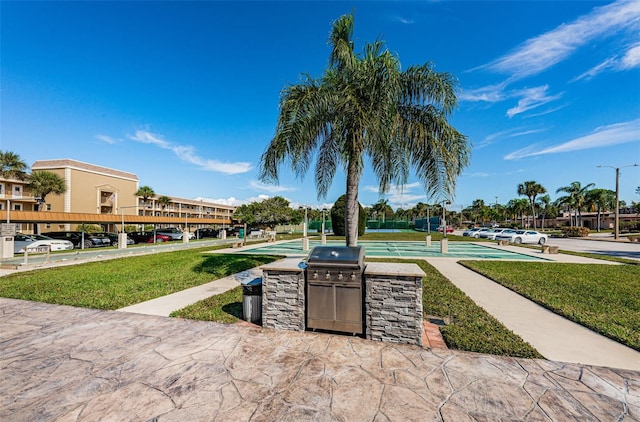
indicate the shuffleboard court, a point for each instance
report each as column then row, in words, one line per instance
column 459, row 250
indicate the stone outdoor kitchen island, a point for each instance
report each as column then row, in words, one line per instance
column 392, row 302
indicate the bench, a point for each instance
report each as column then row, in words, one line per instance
column 503, row 242
column 256, row 234
column 549, row 249
column 46, row 249
column 237, row 244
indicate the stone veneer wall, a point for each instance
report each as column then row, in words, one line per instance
column 392, row 302
column 283, row 299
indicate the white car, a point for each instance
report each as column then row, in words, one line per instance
column 492, row 233
column 470, row 232
column 32, row 241
column 525, row 236
column 477, row 234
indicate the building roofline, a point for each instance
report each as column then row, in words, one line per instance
column 82, row 166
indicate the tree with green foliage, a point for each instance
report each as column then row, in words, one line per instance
column 338, row 218
column 267, row 213
column 164, row 201
column 575, row 199
column 12, row 166
column 364, row 105
column 145, row 192
column 601, row 200
column 531, row 189
column 42, row 183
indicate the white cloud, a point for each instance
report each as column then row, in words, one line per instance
column 618, row 133
column 532, row 98
column 187, row 153
column 476, row 174
column 487, row 94
column 106, row 139
column 630, row 60
column 544, row 51
column 257, row 185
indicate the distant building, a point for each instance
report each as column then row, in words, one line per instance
column 93, row 189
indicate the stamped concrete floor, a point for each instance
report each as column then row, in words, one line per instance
column 60, row 363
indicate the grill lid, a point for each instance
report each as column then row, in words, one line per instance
column 346, row 255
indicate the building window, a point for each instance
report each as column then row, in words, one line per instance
column 17, row 207
column 1, row 205
column 47, row 226
column 48, row 207
column 17, row 191
column 2, row 189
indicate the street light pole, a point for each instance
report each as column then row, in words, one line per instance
column 444, row 222
column 616, row 223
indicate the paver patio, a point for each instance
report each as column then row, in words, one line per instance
column 71, row 364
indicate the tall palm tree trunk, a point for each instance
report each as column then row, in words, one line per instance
column 352, row 208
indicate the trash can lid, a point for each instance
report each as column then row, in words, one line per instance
column 254, row 282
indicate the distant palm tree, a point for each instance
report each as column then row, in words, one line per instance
column 601, row 199
column 12, row 166
column 575, row 198
column 382, row 209
column 544, row 202
column 43, row 183
column 531, row 189
column 164, row 201
column 145, row 192
column 365, row 105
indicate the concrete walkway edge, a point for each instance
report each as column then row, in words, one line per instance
column 554, row 336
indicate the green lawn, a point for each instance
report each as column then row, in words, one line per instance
column 604, row 298
column 117, row 283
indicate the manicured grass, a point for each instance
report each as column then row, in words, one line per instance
column 117, row 283
column 604, row 298
column 225, row 308
column 469, row 327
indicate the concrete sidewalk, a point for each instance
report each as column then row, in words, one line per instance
column 555, row 337
column 163, row 306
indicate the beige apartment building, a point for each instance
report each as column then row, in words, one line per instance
column 102, row 191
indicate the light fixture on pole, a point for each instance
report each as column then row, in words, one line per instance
column 616, row 223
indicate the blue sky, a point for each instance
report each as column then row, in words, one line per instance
column 185, row 94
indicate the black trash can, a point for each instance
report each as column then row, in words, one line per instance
column 252, row 300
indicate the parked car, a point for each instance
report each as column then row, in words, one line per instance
column 478, row 232
column 24, row 241
column 147, row 237
column 491, row 233
column 172, row 232
column 113, row 237
column 206, row 232
column 470, row 232
column 449, row 229
column 90, row 240
column 525, row 236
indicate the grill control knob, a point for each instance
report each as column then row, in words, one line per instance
column 353, row 276
column 315, row 274
column 340, row 276
column 327, row 275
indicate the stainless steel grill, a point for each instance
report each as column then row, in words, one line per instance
column 335, row 288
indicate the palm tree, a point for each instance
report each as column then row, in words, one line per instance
column 382, row 209
column 43, row 183
column 145, row 192
column 164, row 201
column 601, row 199
column 12, row 166
column 365, row 105
column 531, row 189
column 575, row 198
column 544, row 202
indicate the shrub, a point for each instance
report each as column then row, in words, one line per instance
column 575, row 231
column 337, row 217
